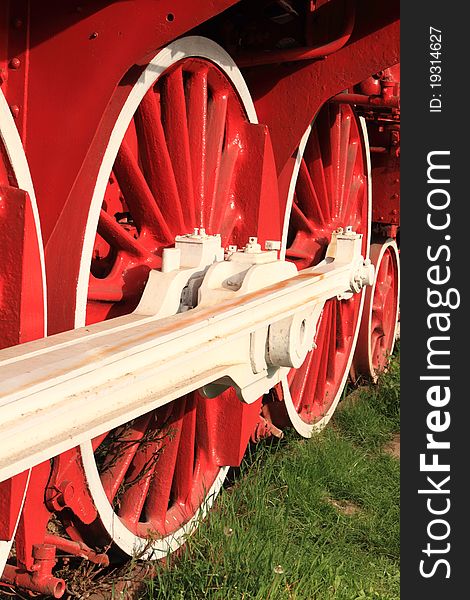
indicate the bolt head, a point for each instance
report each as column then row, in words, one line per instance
column 15, row 63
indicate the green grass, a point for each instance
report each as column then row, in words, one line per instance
column 307, row 519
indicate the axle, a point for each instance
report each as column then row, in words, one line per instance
column 252, row 318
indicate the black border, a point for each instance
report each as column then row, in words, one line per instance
column 422, row 132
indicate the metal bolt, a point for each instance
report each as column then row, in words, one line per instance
column 15, row 63
column 93, row 35
column 15, row 110
column 272, row 245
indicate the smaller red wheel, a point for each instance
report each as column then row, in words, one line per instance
column 378, row 330
column 331, row 191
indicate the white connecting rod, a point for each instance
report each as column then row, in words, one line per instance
column 59, row 391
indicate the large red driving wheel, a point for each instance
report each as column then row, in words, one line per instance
column 378, row 330
column 173, row 165
column 332, row 191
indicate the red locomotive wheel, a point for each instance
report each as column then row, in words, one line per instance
column 22, row 285
column 332, row 191
column 172, row 166
column 380, row 318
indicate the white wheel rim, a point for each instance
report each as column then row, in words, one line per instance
column 188, row 47
column 302, row 427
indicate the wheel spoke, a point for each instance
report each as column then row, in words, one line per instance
column 352, row 155
column 306, row 191
column 323, row 363
column 117, row 237
column 120, row 454
column 301, row 221
column 300, row 378
column 197, row 117
column 217, row 115
column 331, row 157
column 377, row 322
column 184, row 468
column 310, row 384
column 177, row 138
column 314, row 162
column 158, row 497
column 139, row 197
column 156, row 160
column 223, row 207
column 344, row 147
column 333, row 346
column 97, row 441
column 340, row 327
column 349, row 215
column 138, row 481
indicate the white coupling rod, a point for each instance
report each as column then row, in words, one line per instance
column 60, row 391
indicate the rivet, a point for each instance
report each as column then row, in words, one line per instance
column 15, row 110
column 15, row 63
column 93, row 35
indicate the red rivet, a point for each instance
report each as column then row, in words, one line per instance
column 93, row 35
column 15, row 110
column 15, row 63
